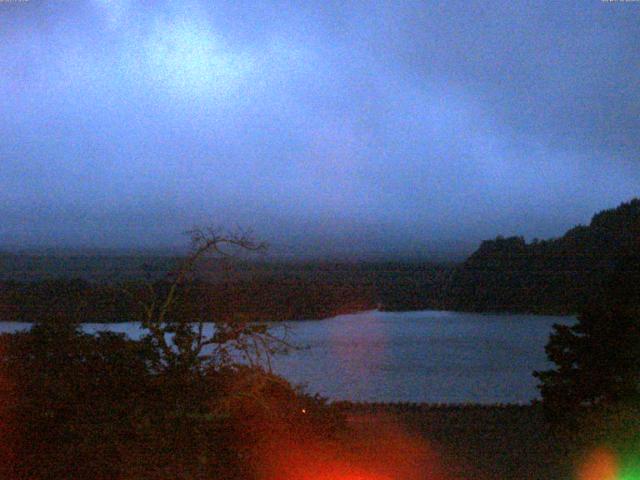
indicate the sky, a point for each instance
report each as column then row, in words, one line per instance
column 333, row 127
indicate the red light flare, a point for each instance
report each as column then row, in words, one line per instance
column 600, row 464
column 376, row 448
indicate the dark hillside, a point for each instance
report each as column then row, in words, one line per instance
column 552, row 276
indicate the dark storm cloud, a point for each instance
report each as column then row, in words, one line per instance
column 332, row 126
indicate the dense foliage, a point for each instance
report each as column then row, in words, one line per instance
column 554, row 276
column 597, row 361
column 91, row 407
column 176, row 403
column 593, row 392
column 591, row 398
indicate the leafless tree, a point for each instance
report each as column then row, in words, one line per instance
column 181, row 342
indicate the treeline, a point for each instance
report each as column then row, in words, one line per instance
column 552, row 276
column 249, row 291
column 555, row 276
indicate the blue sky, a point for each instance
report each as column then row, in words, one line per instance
column 350, row 127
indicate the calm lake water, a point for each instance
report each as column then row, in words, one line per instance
column 426, row 356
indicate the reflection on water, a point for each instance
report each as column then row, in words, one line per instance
column 427, row 356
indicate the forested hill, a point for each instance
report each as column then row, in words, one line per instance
column 552, row 276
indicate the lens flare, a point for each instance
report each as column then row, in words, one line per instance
column 604, row 464
column 375, row 449
column 630, row 469
column 600, row 464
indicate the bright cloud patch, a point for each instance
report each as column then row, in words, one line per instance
column 190, row 59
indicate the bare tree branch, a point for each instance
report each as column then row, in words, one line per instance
column 187, row 340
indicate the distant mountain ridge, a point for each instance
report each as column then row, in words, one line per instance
column 552, row 276
column 556, row 276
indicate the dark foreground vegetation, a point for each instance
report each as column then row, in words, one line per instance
column 104, row 407
column 76, row 406
column 504, row 275
column 174, row 404
column 84, row 406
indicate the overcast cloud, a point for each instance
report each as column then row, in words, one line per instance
column 332, row 126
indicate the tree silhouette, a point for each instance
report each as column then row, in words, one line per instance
column 597, row 361
column 178, row 403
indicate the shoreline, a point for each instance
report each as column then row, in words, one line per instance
column 343, row 313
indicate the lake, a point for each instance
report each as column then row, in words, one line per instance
column 426, row 356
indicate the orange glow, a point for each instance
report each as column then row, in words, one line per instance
column 376, row 449
column 601, row 464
